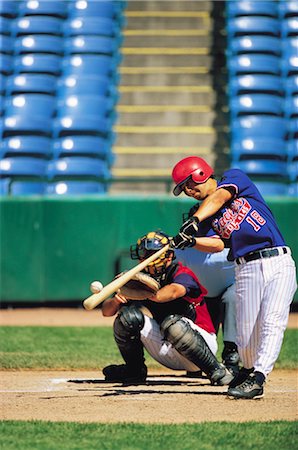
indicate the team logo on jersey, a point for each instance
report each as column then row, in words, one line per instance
column 233, row 216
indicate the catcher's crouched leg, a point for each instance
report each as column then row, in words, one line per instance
column 189, row 343
column 127, row 328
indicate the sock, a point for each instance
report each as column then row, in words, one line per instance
column 260, row 378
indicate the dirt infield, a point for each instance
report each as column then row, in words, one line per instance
column 166, row 397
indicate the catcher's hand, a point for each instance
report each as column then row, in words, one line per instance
column 139, row 287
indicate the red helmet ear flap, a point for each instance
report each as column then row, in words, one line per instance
column 200, row 175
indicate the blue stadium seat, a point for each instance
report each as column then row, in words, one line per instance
column 288, row 8
column 256, row 104
column 40, row 105
column 258, row 126
column 56, row 8
column 6, row 44
column 289, row 27
column 71, row 187
column 78, row 167
column 291, row 106
column 293, row 190
column 271, row 188
column 23, row 187
column 97, row 45
column 37, row 25
column 29, row 113
column 1, row 105
column 263, row 168
column 8, row 8
column 259, row 147
column 85, row 105
column 23, row 167
column 292, row 149
column 6, row 62
column 292, row 129
column 2, row 84
column 82, row 125
column 82, row 146
column 31, row 83
column 38, row 63
column 5, row 25
column 38, row 146
column 39, row 43
column 85, row 84
column 256, row 83
column 291, row 85
column 255, row 44
column 289, row 62
column 91, row 8
column 288, row 43
column 97, row 26
column 254, row 63
column 90, row 64
column 293, row 171
column 251, row 8
column 241, row 26
column 4, row 186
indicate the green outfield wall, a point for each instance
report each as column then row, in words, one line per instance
column 52, row 248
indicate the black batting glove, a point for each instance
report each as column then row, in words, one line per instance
column 182, row 241
column 191, row 226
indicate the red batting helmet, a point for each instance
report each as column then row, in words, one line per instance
column 190, row 167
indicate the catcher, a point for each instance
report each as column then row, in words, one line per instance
column 168, row 317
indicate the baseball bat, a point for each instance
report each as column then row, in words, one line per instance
column 96, row 299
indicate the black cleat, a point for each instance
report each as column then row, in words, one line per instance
column 249, row 389
column 240, row 377
column 122, row 374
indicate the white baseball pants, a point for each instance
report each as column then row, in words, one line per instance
column 265, row 289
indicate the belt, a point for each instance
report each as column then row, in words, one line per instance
column 266, row 253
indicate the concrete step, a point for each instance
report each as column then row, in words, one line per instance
column 161, row 164
column 167, row 60
column 171, row 21
column 162, row 40
column 169, row 118
column 164, row 136
column 172, row 97
column 166, row 5
column 166, row 79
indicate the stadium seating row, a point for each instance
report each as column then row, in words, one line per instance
column 58, row 92
column 262, row 62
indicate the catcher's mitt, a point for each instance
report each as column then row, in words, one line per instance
column 139, row 287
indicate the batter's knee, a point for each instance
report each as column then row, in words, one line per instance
column 129, row 321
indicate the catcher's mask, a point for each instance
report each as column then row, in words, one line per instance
column 149, row 244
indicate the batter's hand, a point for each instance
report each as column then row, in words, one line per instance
column 182, row 241
column 191, row 226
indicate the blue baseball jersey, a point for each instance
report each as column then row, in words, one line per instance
column 245, row 224
column 213, row 270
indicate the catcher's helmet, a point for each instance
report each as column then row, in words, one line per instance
column 190, row 167
column 149, row 244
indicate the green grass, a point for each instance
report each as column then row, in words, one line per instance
column 39, row 435
column 87, row 348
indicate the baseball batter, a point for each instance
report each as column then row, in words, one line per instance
column 235, row 211
column 173, row 324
